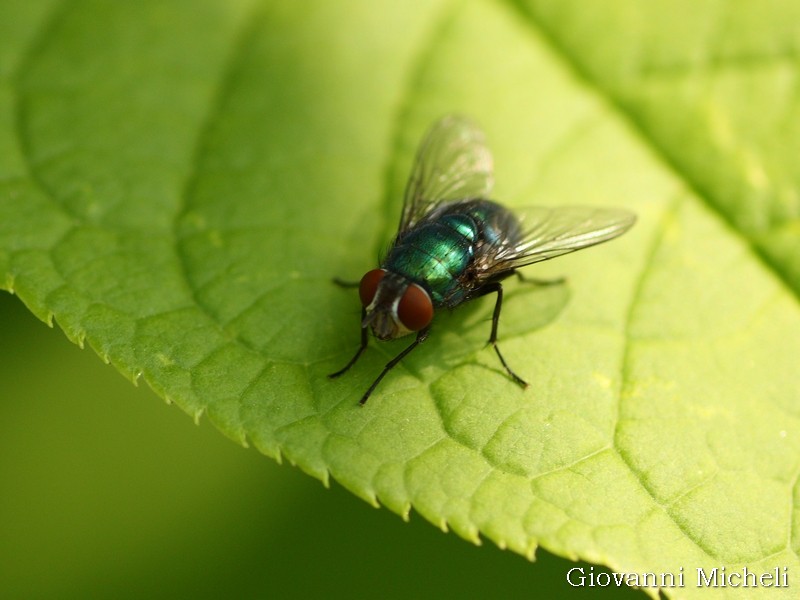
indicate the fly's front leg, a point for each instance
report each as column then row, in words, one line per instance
column 421, row 337
column 361, row 349
column 497, row 287
column 345, row 284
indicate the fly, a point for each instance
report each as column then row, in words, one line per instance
column 454, row 244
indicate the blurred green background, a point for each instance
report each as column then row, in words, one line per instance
column 109, row 492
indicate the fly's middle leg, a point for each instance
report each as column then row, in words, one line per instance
column 498, row 288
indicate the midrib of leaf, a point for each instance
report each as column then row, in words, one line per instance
column 393, row 170
column 572, row 61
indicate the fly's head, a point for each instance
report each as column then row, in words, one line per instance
column 393, row 305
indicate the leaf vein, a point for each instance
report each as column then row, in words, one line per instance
column 242, row 41
column 38, row 43
column 625, row 378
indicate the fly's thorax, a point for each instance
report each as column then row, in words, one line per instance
column 437, row 253
column 498, row 225
column 394, row 306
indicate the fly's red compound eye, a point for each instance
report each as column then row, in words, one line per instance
column 369, row 285
column 415, row 309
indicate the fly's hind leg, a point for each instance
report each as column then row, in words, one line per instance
column 497, row 287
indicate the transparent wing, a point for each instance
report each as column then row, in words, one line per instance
column 551, row 232
column 452, row 163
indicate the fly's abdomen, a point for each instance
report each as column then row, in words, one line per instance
column 436, row 254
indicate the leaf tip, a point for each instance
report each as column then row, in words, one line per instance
column 197, row 414
column 325, row 478
column 472, row 534
column 442, row 524
column 530, row 551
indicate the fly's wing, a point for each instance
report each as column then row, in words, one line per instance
column 550, row 232
column 452, row 163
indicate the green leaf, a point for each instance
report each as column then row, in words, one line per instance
column 180, row 181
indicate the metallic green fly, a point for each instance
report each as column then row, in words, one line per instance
column 455, row 245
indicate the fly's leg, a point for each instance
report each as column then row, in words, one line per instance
column 497, row 287
column 421, row 337
column 361, row 349
column 351, row 284
column 345, row 284
column 541, row 282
